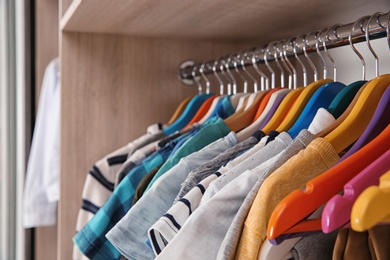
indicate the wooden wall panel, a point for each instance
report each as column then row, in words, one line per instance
column 46, row 38
column 113, row 87
column 46, row 49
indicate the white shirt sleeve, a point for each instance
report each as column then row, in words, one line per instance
column 41, row 186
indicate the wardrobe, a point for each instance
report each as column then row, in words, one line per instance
column 119, row 62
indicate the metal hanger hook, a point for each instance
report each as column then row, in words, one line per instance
column 360, row 21
column 276, row 54
column 304, row 71
column 334, row 27
column 196, row 79
column 305, row 45
column 244, row 58
column 266, row 51
column 208, row 84
column 214, row 69
column 317, row 37
column 226, row 63
column 292, row 68
column 367, row 34
column 221, row 63
column 263, row 78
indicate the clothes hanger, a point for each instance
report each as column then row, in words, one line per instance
column 299, row 204
column 191, row 108
column 275, row 92
column 291, row 97
column 304, row 97
column 242, row 119
column 266, row 104
column 244, row 95
column 343, row 204
column 380, row 119
column 179, row 110
column 337, row 212
column 291, row 88
column 215, row 102
column 358, row 119
column 372, row 206
column 289, row 215
column 347, row 94
column 235, row 98
column 322, row 97
column 204, row 108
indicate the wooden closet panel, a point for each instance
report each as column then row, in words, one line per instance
column 46, row 49
column 113, row 87
column 65, row 5
column 46, row 39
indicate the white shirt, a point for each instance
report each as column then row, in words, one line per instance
column 41, row 191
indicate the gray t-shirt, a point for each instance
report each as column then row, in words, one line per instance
column 197, row 175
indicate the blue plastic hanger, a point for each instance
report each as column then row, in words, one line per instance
column 323, row 97
column 190, row 110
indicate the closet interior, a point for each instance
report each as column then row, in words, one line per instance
column 119, row 63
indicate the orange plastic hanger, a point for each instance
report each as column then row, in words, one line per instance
column 179, row 110
column 288, row 215
column 204, row 108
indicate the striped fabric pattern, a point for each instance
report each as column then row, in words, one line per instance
column 91, row 239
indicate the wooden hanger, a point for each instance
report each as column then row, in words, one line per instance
column 337, row 212
column 294, row 208
column 372, row 206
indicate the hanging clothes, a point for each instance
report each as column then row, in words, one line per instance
column 41, row 190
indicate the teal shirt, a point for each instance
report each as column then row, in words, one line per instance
column 205, row 136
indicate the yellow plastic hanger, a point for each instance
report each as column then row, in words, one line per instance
column 355, row 123
column 305, row 95
column 179, row 110
column 289, row 100
column 343, row 116
column 372, row 206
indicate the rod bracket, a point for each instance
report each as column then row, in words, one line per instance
column 185, row 70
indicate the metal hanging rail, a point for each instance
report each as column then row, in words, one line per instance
column 338, row 36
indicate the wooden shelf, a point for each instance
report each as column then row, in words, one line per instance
column 213, row 20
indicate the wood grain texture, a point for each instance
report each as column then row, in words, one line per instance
column 46, row 242
column 46, row 49
column 46, row 39
column 113, row 87
column 219, row 19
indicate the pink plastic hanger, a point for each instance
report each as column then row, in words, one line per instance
column 337, row 211
column 289, row 215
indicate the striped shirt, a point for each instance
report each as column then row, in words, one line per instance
column 99, row 183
